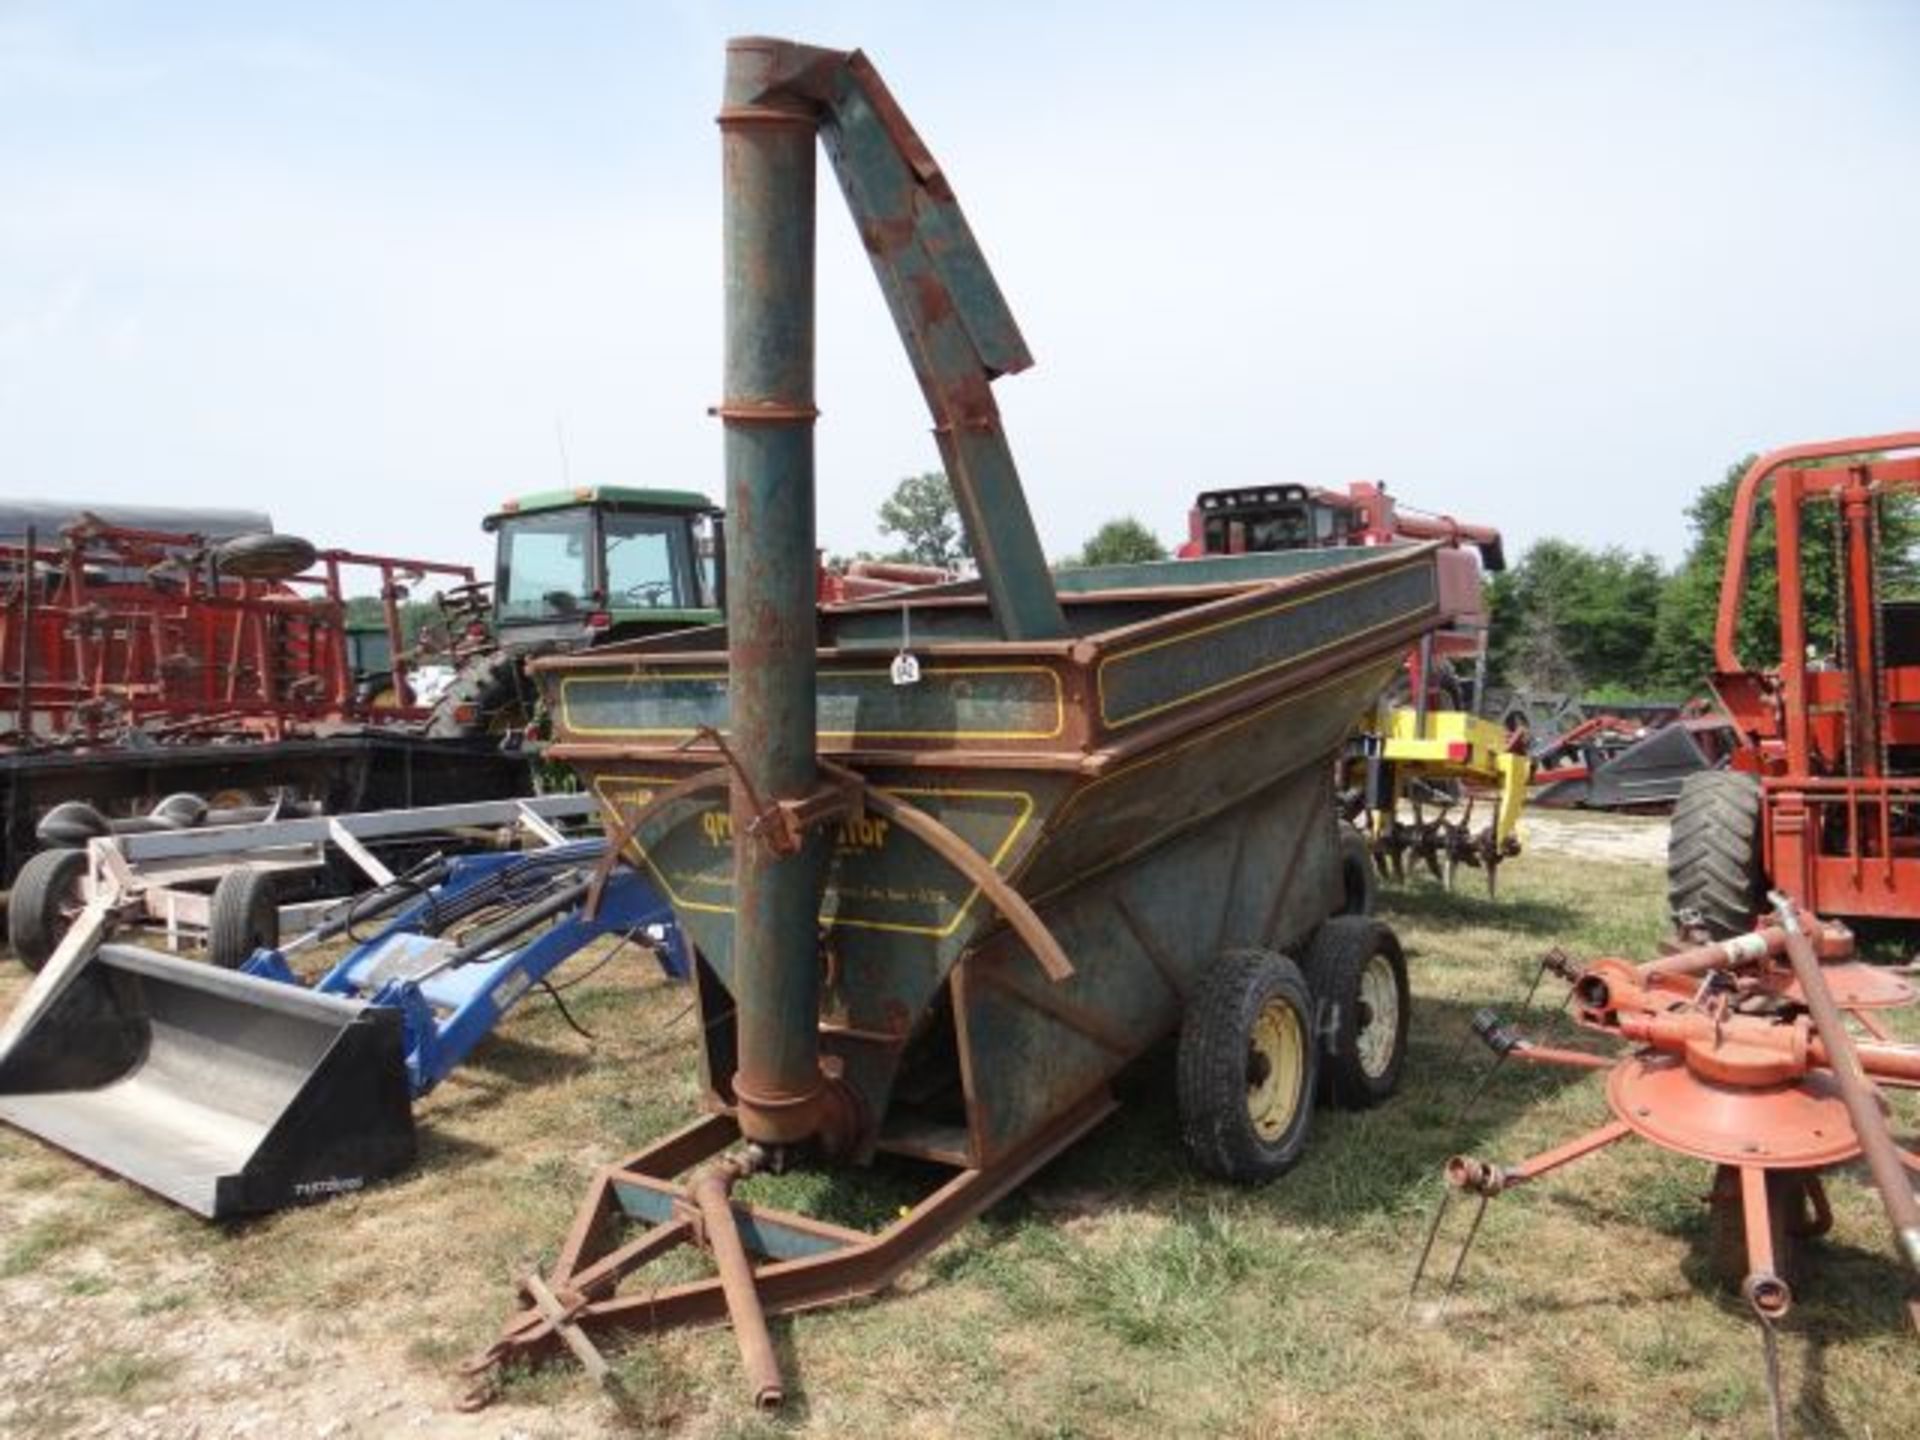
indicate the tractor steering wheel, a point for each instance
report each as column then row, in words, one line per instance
column 648, row 592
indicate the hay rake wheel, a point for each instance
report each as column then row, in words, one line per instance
column 1741, row 1061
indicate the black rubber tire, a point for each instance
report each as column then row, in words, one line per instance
column 1713, row 853
column 1336, row 963
column 264, row 556
column 1214, row 1074
column 491, row 693
column 1359, row 885
column 182, row 810
column 1444, row 689
column 243, row 917
column 43, row 903
column 70, row 824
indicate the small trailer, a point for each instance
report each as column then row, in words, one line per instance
column 215, row 886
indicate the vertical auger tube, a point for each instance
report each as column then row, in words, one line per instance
column 767, row 144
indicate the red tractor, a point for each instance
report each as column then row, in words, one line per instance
column 1427, row 740
column 1822, row 799
column 1259, row 518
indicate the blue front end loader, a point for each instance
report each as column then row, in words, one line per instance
column 468, row 938
column 239, row 1092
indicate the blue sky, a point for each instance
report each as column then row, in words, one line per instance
column 1551, row 266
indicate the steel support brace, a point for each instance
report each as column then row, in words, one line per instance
column 798, row 1263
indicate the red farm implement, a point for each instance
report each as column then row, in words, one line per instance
column 1743, row 1054
column 139, row 662
column 1425, row 749
column 107, row 629
column 1822, row 799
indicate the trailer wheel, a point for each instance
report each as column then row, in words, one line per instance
column 45, row 899
column 1247, row 1067
column 244, row 917
column 1362, row 1003
column 70, row 824
column 264, row 556
column 182, row 810
column 1358, row 883
column 1713, row 852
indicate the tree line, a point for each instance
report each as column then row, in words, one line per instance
column 920, row 516
column 1613, row 622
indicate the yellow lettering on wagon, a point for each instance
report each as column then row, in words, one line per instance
column 856, row 832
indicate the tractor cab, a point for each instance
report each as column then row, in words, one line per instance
column 1260, row 518
column 589, row 565
column 1255, row 519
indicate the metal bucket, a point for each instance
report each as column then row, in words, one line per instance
column 226, row 1094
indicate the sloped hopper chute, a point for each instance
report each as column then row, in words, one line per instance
column 227, row 1094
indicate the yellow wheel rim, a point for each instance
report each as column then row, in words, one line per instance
column 1276, row 1064
column 1379, row 1029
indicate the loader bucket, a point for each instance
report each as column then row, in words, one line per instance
column 226, row 1094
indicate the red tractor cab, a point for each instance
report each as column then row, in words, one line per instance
column 1258, row 518
column 1822, row 799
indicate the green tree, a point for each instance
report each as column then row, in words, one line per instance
column 921, row 513
column 1690, row 604
column 1570, row 618
column 1120, row 542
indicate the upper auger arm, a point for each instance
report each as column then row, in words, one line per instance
column 958, row 331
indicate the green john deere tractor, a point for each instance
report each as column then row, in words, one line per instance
column 582, row 567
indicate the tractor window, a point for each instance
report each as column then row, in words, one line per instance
column 1283, row 529
column 543, row 565
column 650, row 562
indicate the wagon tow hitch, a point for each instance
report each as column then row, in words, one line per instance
column 716, row 1230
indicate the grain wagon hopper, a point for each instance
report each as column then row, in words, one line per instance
column 951, row 859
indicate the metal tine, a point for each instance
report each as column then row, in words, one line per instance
column 1459, row 1259
column 1460, row 1051
column 1472, row 1097
column 1547, row 962
column 1770, row 1358
column 1426, row 1249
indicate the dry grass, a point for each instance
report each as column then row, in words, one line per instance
column 1117, row 1295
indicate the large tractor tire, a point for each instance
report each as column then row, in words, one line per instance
column 1248, row 1067
column 45, row 899
column 1715, row 877
column 491, row 695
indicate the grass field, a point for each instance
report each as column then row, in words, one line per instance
column 1116, row 1295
